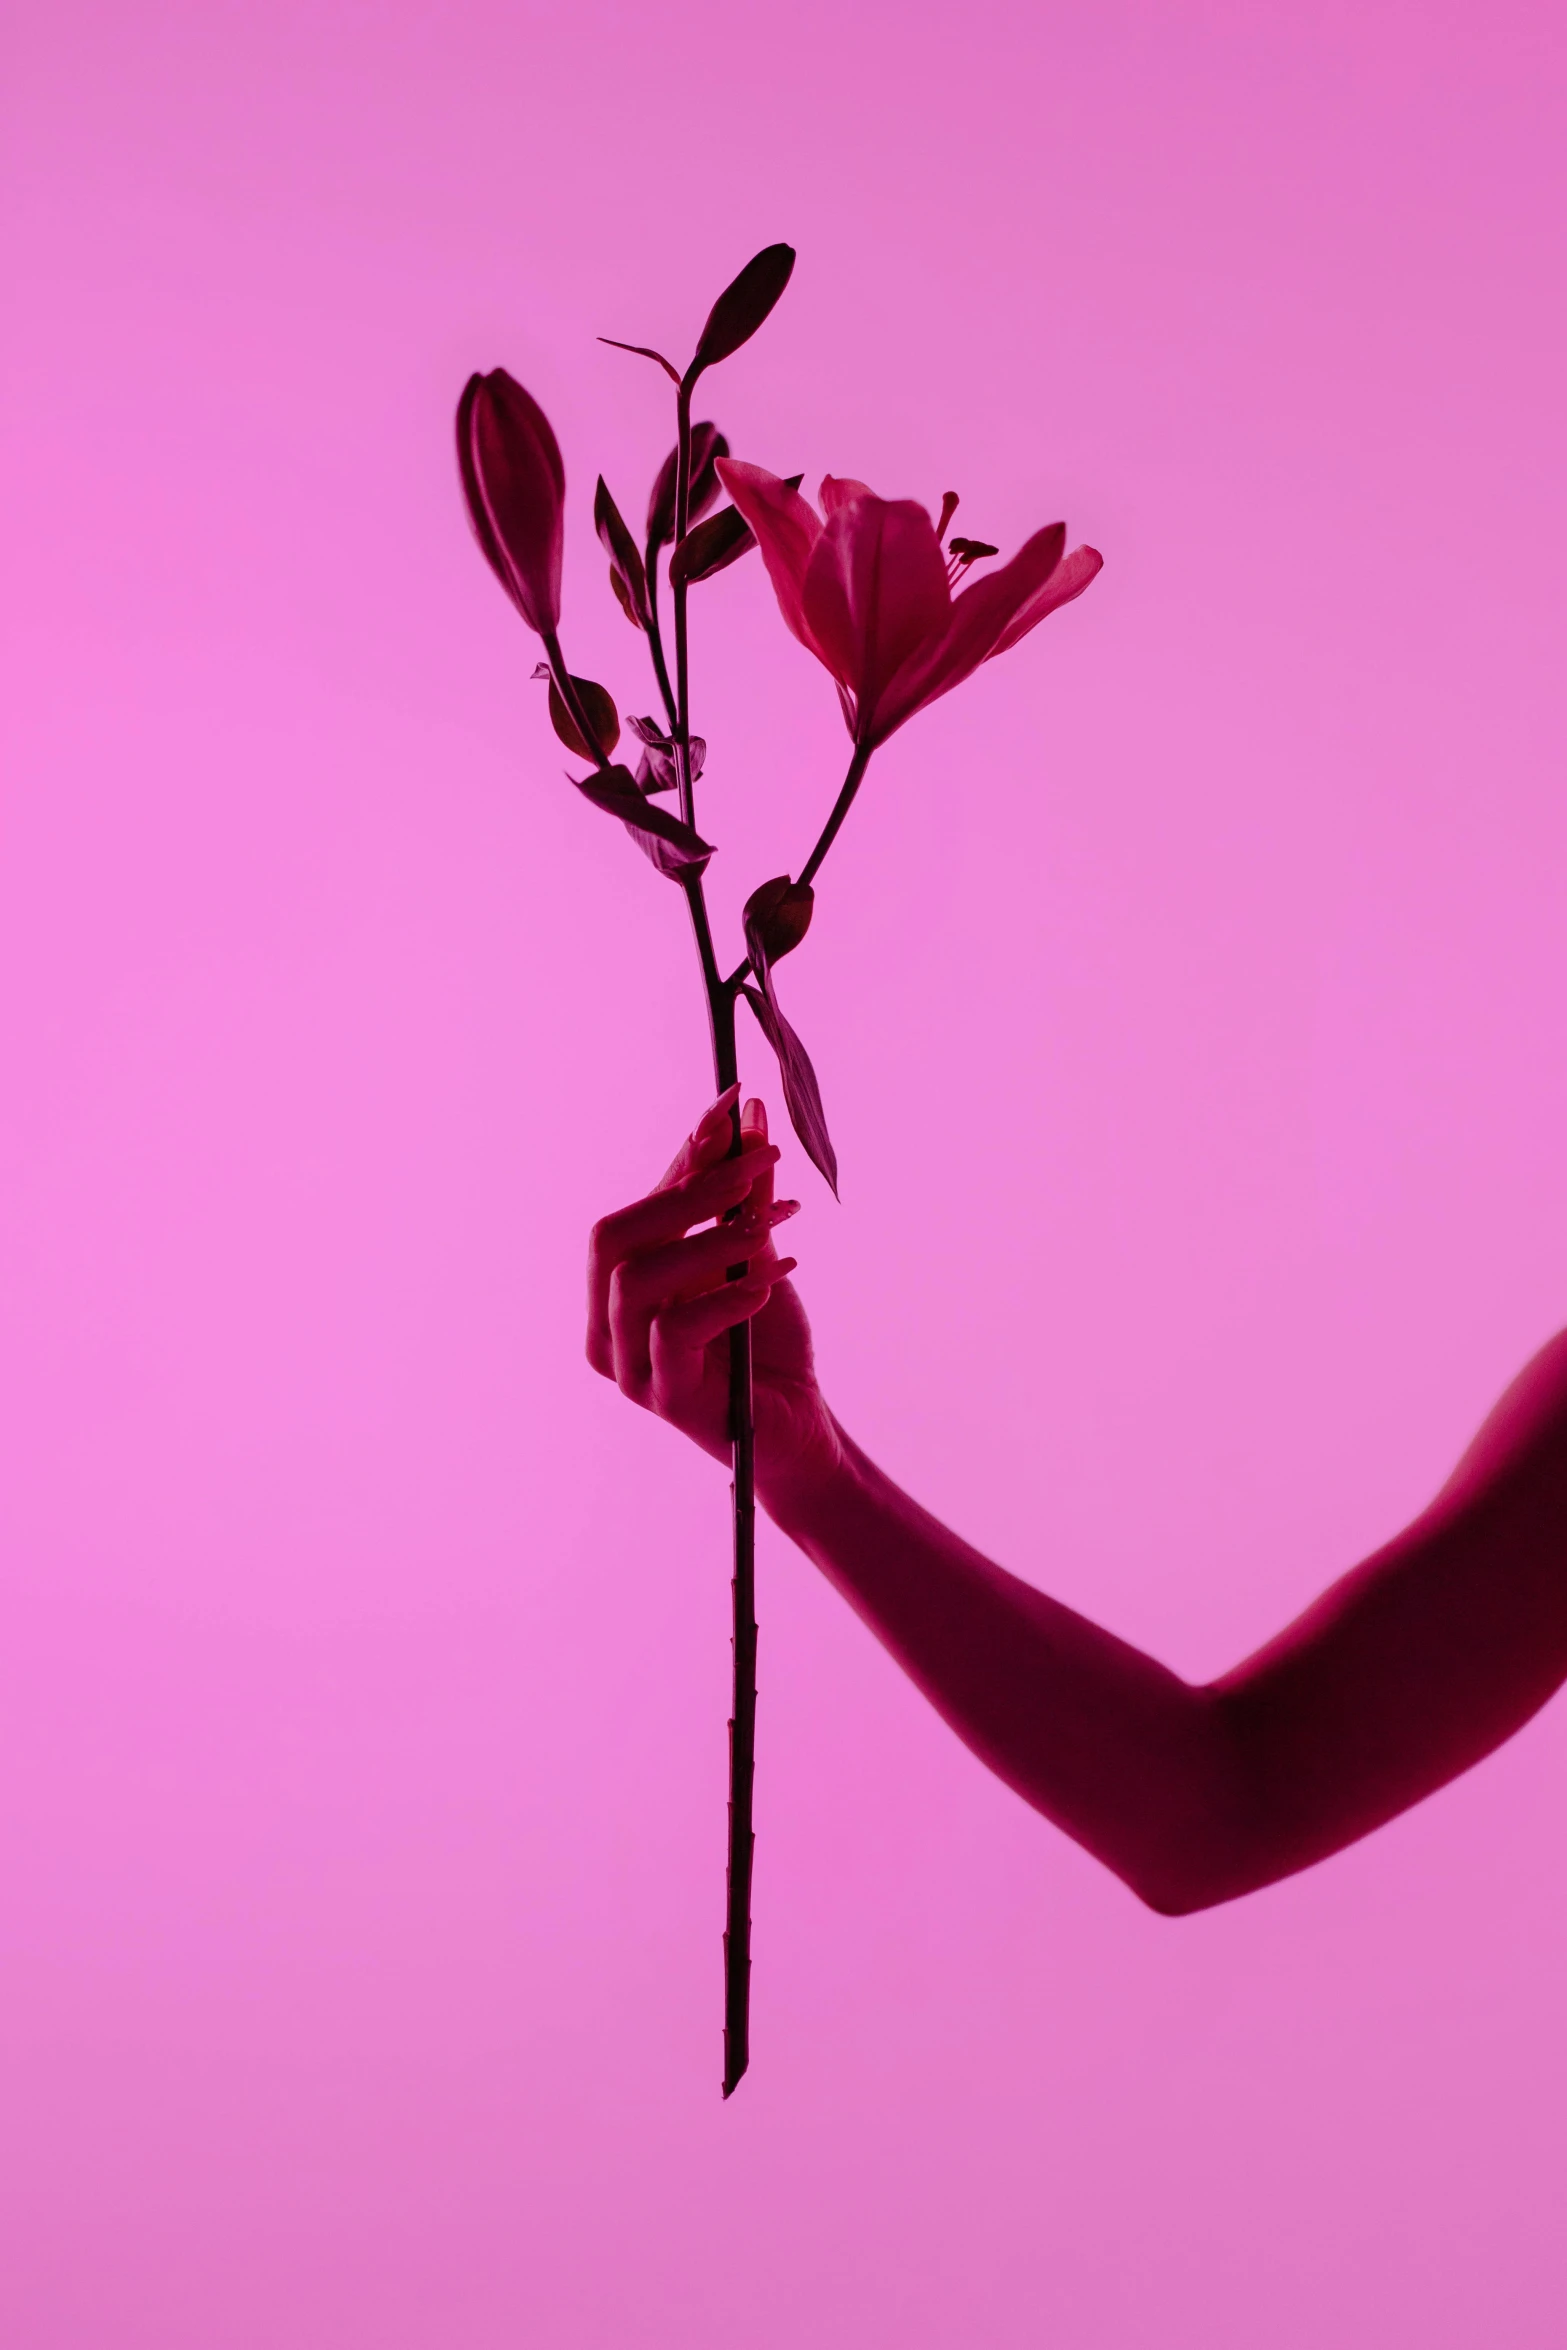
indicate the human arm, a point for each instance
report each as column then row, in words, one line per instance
column 1403, row 1674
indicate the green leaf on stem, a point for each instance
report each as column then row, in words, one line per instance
column 624, row 561
column 802, row 1094
column 714, row 544
column 656, row 769
column 641, row 351
column 667, row 843
column 707, row 446
column 599, row 711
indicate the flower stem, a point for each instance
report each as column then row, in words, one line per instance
column 742, row 1719
column 829, row 833
column 742, row 1437
column 840, row 808
column 566, row 687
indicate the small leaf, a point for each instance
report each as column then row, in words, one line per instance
column 648, row 730
column 802, row 1094
column 714, row 544
column 670, row 845
column 597, row 708
column 707, row 446
column 621, row 548
column 642, row 352
column 742, row 306
column 657, row 771
column 777, row 917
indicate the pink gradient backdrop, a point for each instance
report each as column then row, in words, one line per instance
column 1190, row 995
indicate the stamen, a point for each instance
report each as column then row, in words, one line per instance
column 961, row 553
column 949, row 507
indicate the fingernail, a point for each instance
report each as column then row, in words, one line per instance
column 725, row 1101
column 781, row 1210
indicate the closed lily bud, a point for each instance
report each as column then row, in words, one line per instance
column 515, row 485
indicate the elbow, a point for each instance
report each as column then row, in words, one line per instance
column 1181, row 1900
column 1205, row 1878
column 1211, row 1844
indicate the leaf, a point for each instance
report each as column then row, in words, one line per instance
column 657, row 771
column 707, row 446
column 621, row 548
column 597, row 708
column 622, row 595
column 671, row 862
column 802, row 1094
column 642, row 352
column 714, row 544
column 742, row 306
column 648, row 730
column 670, row 845
column 777, row 916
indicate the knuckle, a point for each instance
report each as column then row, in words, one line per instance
column 599, row 1243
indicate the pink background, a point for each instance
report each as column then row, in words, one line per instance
column 1190, row 997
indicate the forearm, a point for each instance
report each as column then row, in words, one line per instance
column 1405, row 1673
column 1121, row 1754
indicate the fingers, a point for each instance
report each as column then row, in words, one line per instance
column 664, row 1216
column 643, row 1286
column 702, row 1183
column 753, row 1137
column 708, row 1140
column 681, row 1334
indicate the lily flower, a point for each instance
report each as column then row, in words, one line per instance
column 869, row 591
column 515, row 485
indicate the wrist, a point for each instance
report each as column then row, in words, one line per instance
column 812, row 1483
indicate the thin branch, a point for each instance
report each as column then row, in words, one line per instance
column 841, row 806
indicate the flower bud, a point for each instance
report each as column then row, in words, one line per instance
column 515, row 485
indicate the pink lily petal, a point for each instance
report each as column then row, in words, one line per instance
column 787, row 528
column 837, row 489
column 875, row 591
column 980, row 616
column 1069, row 578
column 867, row 592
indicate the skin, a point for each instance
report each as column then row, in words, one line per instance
column 1406, row 1672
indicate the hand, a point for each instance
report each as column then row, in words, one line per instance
column 660, row 1306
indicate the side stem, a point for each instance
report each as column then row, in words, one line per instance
column 840, row 808
column 829, row 833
